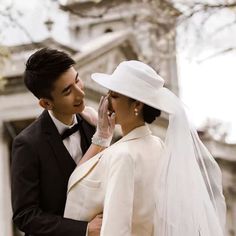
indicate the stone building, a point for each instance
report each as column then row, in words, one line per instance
column 103, row 33
column 153, row 26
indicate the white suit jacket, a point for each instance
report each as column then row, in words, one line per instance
column 120, row 182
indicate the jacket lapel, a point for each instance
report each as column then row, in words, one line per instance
column 86, row 132
column 62, row 156
column 82, row 171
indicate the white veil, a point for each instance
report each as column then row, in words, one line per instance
column 189, row 194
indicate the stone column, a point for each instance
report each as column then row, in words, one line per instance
column 5, row 196
column 232, row 220
column 234, row 216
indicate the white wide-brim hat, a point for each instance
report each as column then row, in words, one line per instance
column 139, row 81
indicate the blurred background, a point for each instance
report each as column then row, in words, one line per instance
column 192, row 44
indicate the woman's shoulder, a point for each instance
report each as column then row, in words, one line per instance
column 158, row 141
column 118, row 150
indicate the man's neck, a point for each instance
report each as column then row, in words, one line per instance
column 65, row 119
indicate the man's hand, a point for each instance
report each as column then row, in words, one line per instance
column 94, row 226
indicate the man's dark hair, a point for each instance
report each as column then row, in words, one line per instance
column 43, row 68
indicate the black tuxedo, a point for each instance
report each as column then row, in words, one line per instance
column 40, row 169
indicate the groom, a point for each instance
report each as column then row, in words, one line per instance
column 44, row 155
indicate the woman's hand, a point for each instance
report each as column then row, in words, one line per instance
column 103, row 135
column 105, row 124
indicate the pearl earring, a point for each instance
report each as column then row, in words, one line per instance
column 136, row 112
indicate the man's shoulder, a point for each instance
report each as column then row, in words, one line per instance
column 89, row 115
column 31, row 132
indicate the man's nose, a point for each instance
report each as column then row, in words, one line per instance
column 79, row 91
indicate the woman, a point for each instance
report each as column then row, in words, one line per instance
column 142, row 186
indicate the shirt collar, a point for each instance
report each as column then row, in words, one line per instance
column 138, row 132
column 61, row 126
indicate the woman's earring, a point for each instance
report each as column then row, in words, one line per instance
column 136, row 111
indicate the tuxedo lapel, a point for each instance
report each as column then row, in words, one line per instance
column 62, row 156
column 86, row 132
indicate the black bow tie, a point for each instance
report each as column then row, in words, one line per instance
column 68, row 132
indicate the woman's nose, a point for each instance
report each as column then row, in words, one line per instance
column 109, row 104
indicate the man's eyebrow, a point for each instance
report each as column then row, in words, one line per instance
column 76, row 77
column 67, row 87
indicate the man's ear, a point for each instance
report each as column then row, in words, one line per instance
column 45, row 103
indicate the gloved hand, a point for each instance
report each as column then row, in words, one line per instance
column 105, row 124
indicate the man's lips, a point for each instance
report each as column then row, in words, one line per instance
column 78, row 104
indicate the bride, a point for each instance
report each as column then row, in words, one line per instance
column 145, row 187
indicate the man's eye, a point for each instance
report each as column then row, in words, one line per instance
column 67, row 92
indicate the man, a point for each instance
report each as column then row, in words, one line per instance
column 44, row 155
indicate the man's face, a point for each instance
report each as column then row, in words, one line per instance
column 68, row 95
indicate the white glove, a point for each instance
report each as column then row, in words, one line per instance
column 105, row 125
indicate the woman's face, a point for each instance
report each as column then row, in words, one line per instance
column 122, row 106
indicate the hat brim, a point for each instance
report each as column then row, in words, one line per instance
column 148, row 95
column 105, row 81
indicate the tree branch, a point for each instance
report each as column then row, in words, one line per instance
column 221, row 52
column 198, row 7
column 8, row 15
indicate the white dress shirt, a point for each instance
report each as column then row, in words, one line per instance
column 72, row 143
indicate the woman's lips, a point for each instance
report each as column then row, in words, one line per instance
column 109, row 112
